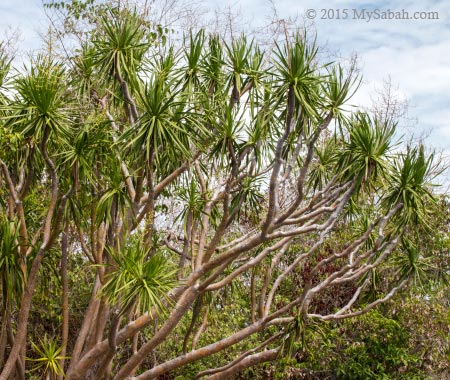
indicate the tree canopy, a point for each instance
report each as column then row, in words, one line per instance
column 157, row 188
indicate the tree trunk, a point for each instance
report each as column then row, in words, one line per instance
column 65, row 296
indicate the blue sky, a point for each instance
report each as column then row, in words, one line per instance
column 414, row 54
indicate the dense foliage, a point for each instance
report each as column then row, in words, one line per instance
column 196, row 209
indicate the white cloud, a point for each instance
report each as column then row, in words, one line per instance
column 28, row 17
column 413, row 53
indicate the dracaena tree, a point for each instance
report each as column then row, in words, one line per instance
column 180, row 173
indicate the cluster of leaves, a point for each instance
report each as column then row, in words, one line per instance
column 140, row 280
column 49, row 357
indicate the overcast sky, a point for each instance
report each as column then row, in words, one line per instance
column 414, row 53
